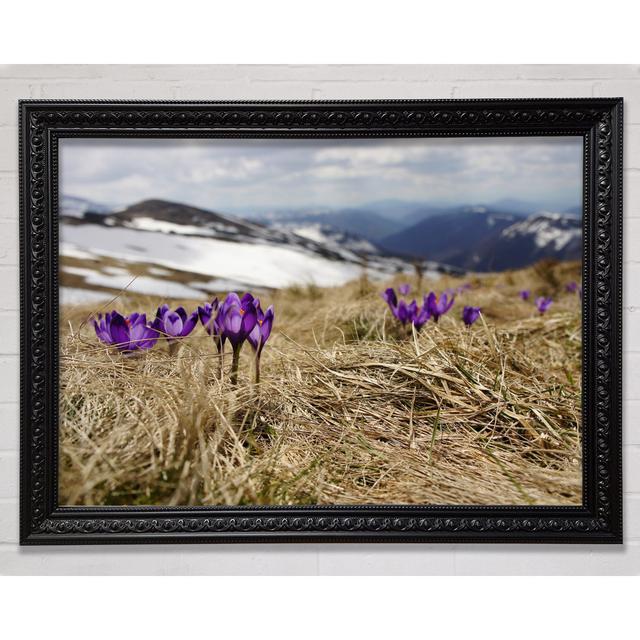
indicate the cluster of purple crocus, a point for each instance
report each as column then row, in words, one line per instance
column 127, row 333
column 406, row 312
column 433, row 306
column 411, row 312
column 544, row 302
column 235, row 319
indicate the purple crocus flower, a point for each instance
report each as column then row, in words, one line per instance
column 399, row 308
column 470, row 315
column 404, row 289
column 237, row 319
column 174, row 324
column 438, row 306
column 404, row 311
column 207, row 314
column 421, row 316
column 209, row 317
column 572, row 287
column 262, row 330
column 525, row 294
column 126, row 333
column 389, row 296
column 260, row 334
column 543, row 304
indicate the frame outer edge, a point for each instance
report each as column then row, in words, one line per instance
column 429, row 118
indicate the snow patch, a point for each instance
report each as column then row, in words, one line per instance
column 271, row 266
column 125, row 281
column 548, row 229
column 349, row 245
column 163, row 226
column 76, row 295
column 70, row 252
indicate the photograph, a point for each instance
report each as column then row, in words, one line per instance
column 297, row 321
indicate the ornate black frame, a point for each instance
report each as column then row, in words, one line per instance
column 598, row 520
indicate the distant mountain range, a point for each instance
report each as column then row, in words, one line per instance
column 364, row 223
column 483, row 239
column 324, row 246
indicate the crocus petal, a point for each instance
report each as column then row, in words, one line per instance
column 189, row 324
column 137, row 329
column 430, row 299
column 267, row 323
column 119, row 331
column 182, row 313
column 402, row 312
column 389, row 296
column 470, row 315
column 543, row 304
column 232, row 299
column 254, row 337
column 149, row 338
column 162, row 310
column 218, row 324
column 173, row 324
column 249, row 320
column 430, row 303
column 421, row 317
column 101, row 331
column 572, row 287
column 404, row 289
column 448, row 305
column 233, row 321
column 206, row 317
column 246, row 299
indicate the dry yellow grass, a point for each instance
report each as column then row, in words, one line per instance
column 348, row 410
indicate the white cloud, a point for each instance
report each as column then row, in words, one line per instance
column 245, row 174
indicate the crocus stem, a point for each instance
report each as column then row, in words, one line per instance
column 173, row 346
column 257, row 378
column 234, row 364
column 220, row 348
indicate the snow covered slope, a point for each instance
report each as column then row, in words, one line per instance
column 252, row 264
column 231, row 253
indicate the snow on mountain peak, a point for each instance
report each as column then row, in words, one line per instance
column 547, row 228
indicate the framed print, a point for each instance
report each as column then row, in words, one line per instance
column 321, row 321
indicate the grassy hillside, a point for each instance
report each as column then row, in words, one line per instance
column 350, row 410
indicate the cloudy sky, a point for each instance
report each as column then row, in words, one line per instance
column 245, row 176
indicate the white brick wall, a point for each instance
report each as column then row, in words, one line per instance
column 313, row 82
